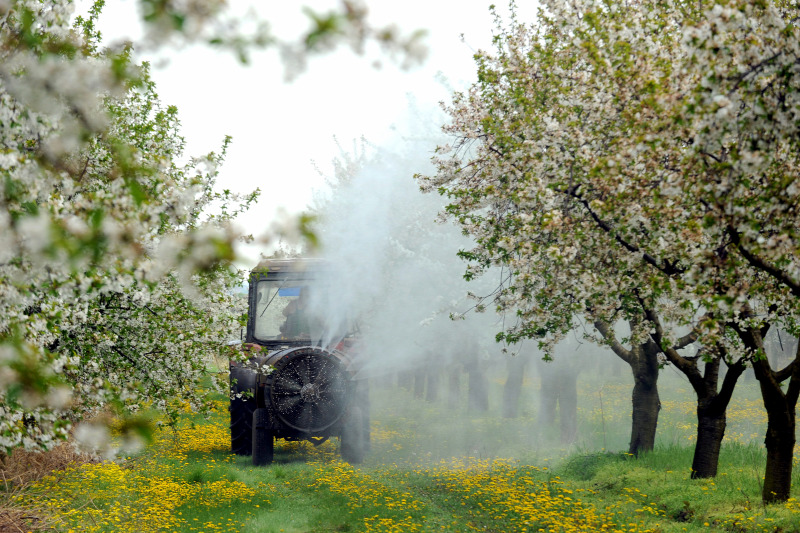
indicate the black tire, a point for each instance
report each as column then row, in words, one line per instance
column 241, row 426
column 242, row 411
column 263, row 438
column 352, row 446
column 363, row 401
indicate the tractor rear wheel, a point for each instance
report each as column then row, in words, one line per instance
column 242, row 425
column 352, row 446
column 263, row 438
column 243, row 403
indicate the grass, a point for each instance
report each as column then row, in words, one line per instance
column 431, row 469
column 653, row 484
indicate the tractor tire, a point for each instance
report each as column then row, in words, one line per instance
column 353, row 446
column 241, row 410
column 242, row 426
column 263, row 437
column 363, row 400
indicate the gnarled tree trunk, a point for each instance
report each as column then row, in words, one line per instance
column 780, row 442
column 780, row 406
column 453, row 387
column 710, row 431
column 434, row 384
column 712, row 404
column 645, row 401
column 513, row 387
column 712, row 408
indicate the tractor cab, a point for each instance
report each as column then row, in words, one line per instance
column 289, row 305
column 300, row 380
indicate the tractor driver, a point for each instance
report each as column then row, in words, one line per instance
column 296, row 313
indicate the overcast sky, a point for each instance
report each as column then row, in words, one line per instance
column 279, row 128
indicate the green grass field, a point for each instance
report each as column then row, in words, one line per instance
column 433, row 469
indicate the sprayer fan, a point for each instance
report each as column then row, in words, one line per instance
column 309, row 390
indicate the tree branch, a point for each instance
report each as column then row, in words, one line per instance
column 762, row 264
column 608, row 334
column 670, row 269
column 686, row 340
column 751, row 337
column 731, row 376
column 687, row 366
column 793, row 391
column 786, row 372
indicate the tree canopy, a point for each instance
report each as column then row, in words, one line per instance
column 636, row 161
column 611, row 151
column 115, row 274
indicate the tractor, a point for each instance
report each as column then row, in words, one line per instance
column 294, row 384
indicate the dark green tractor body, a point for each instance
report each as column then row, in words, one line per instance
column 294, row 385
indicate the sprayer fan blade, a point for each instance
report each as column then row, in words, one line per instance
column 310, row 390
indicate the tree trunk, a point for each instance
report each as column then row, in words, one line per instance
column 712, row 404
column 781, row 422
column 712, row 407
column 780, row 442
column 513, row 386
column 478, row 390
column 645, row 402
column 710, row 431
column 644, row 416
column 548, row 398
column 454, row 387
column 568, row 406
column 419, row 382
column 432, row 392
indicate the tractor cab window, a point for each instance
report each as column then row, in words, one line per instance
column 282, row 311
column 299, row 319
column 294, row 310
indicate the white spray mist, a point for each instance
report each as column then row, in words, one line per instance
column 393, row 266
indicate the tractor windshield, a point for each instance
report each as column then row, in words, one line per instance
column 298, row 310
column 283, row 312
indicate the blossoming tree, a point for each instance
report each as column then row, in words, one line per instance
column 636, row 162
column 115, row 257
column 114, row 287
column 506, row 136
